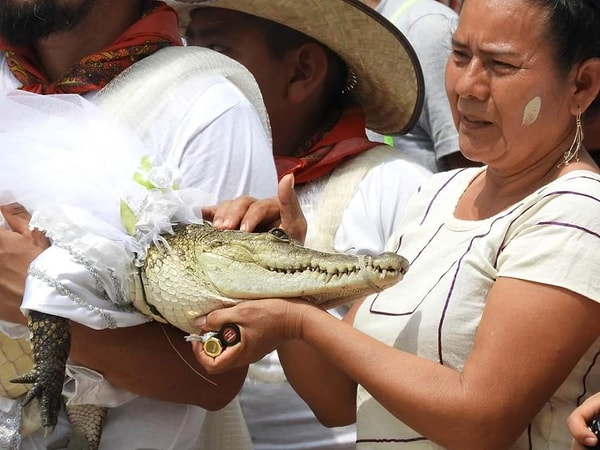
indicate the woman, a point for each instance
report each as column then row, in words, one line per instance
column 489, row 340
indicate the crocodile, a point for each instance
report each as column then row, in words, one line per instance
column 198, row 269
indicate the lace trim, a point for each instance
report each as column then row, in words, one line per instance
column 10, row 424
column 121, row 300
column 109, row 320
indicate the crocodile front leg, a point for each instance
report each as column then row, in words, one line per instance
column 50, row 342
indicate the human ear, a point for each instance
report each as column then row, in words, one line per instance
column 587, row 84
column 309, row 63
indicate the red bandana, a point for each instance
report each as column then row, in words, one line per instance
column 157, row 28
column 345, row 140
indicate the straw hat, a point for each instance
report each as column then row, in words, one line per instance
column 389, row 81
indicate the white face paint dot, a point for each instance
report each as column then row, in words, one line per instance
column 532, row 111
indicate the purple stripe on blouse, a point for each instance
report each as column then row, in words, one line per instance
column 438, row 193
column 456, row 272
column 386, row 441
column 553, row 193
column 470, row 246
column 570, row 225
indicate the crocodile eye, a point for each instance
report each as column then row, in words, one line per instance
column 280, row 234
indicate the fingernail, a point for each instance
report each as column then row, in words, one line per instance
column 200, row 321
column 243, row 227
column 217, row 223
column 589, row 441
column 226, row 223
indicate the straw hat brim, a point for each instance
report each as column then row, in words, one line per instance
column 389, row 79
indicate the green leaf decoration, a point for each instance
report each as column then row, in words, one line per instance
column 128, row 218
column 140, row 179
column 146, row 163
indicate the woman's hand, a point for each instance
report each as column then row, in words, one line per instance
column 264, row 325
column 18, row 248
column 577, row 423
column 249, row 214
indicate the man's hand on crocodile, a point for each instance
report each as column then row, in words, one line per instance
column 18, row 248
column 264, row 325
column 249, row 214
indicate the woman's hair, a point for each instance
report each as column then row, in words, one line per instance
column 574, row 31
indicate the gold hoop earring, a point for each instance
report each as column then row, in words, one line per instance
column 351, row 81
column 573, row 151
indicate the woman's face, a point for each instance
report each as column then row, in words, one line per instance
column 508, row 100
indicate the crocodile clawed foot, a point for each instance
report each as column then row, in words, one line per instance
column 50, row 340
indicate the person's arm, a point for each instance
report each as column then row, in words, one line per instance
column 334, row 402
column 154, row 361
column 578, row 421
column 505, row 380
column 18, row 249
column 277, row 324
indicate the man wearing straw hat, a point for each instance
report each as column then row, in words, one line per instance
column 208, row 126
column 326, row 69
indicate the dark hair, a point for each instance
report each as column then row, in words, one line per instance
column 574, row 29
column 281, row 39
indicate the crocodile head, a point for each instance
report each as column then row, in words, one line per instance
column 202, row 269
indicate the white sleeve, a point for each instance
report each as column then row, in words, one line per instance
column 59, row 283
column 557, row 240
column 221, row 146
column 377, row 206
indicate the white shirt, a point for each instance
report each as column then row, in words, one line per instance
column 550, row 237
column 213, row 134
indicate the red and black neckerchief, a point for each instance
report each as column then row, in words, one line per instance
column 341, row 137
column 157, row 28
